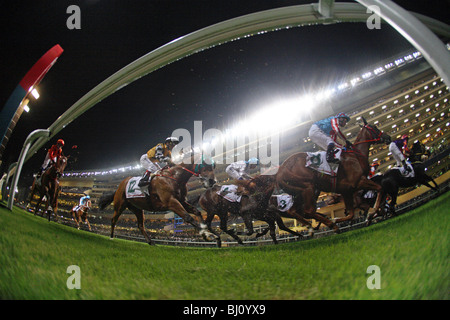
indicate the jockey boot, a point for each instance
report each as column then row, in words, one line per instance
column 406, row 167
column 145, row 181
column 330, row 154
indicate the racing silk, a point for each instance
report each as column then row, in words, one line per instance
column 402, row 145
column 83, row 201
column 54, row 152
column 330, row 126
column 237, row 169
column 158, row 153
column 372, row 171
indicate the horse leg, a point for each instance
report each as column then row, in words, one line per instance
column 224, row 228
column 74, row 215
column 208, row 221
column 272, row 233
column 38, row 203
column 310, row 210
column 262, row 233
column 88, row 224
column 348, row 200
column 292, row 213
column 374, row 214
column 119, row 206
column 283, row 227
column 175, row 206
column 140, row 220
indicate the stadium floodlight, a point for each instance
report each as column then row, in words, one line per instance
column 379, row 70
column 35, row 93
column 367, row 75
column 26, row 108
column 354, row 81
column 389, row 65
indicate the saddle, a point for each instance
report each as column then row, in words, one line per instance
column 228, row 192
column 318, row 161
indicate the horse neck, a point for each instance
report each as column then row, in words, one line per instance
column 362, row 144
column 182, row 173
column 51, row 172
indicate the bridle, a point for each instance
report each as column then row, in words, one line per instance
column 378, row 135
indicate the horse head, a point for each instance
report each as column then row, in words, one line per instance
column 60, row 165
column 370, row 133
column 206, row 173
column 203, row 167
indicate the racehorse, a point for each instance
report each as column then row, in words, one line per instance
column 48, row 186
column 258, row 192
column 392, row 180
column 255, row 194
column 290, row 213
column 80, row 213
column 167, row 191
column 305, row 184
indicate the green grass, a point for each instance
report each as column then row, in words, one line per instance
column 412, row 251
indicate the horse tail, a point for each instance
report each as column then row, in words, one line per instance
column 106, row 200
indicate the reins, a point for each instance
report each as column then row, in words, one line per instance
column 365, row 141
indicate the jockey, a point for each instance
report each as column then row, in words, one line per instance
column 240, row 169
column 399, row 148
column 325, row 132
column 373, row 169
column 83, row 201
column 52, row 155
column 151, row 160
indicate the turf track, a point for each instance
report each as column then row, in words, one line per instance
column 412, row 251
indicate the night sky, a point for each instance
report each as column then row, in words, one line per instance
column 217, row 86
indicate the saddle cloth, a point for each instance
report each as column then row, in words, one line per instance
column 284, row 202
column 317, row 161
column 133, row 190
column 229, row 193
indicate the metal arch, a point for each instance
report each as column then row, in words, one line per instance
column 416, row 33
column 217, row 34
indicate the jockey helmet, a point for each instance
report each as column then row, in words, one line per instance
column 405, row 136
column 174, row 140
column 60, row 141
column 343, row 115
column 253, row 161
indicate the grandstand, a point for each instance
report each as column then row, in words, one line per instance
column 401, row 95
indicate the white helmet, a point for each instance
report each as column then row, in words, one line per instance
column 174, row 140
column 253, row 161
